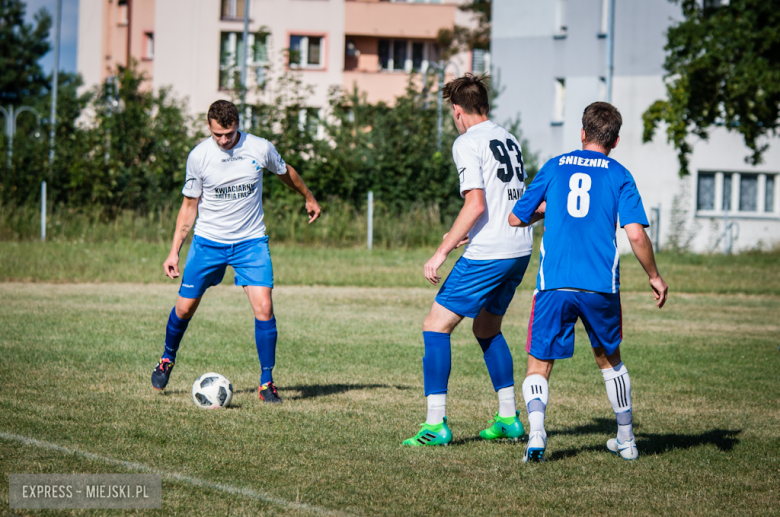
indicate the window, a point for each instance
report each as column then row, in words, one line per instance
column 233, row 9
column 230, row 49
column 560, row 101
column 306, row 52
column 309, row 120
column 736, row 193
column 399, row 54
column 748, row 192
column 149, row 50
column 478, row 60
column 402, row 55
column 726, row 192
column 418, row 56
column 384, row 54
column 705, row 192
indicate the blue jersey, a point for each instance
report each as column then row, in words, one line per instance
column 585, row 192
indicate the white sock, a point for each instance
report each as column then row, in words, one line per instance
column 618, row 385
column 506, row 402
column 437, row 408
column 536, row 393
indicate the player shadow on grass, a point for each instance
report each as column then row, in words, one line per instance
column 647, row 443
column 320, row 390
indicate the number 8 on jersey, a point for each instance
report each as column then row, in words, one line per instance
column 578, row 202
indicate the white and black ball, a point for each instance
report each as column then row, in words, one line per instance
column 211, row 391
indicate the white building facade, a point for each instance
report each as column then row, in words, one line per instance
column 551, row 60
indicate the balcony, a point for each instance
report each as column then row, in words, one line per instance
column 398, row 20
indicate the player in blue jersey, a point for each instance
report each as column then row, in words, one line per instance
column 223, row 188
column 581, row 196
column 483, row 281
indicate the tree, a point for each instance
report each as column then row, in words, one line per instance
column 459, row 38
column 21, row 46
column 722, row 70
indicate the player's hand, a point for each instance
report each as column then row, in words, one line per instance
column 171, row 265
column 432, row 267
column 313, row 209
column 461, row 243
column 660, row 290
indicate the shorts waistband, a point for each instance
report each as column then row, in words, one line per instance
column 226, row 245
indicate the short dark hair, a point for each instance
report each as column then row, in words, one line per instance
column 601, row 122
column 470, row 93
column 224, row 112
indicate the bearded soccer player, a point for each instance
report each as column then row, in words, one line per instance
column 484, row 279
column 223, row 188
column 583, row 195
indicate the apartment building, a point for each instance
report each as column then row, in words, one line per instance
column 552, row 59
column 194, row 46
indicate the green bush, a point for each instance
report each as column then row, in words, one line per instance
column 340, row 225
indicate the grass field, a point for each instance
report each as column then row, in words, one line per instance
column 76, row 360
column 141, row 262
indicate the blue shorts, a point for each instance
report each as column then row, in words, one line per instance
column 554, row 313
column 207, row 261
column 474, row 284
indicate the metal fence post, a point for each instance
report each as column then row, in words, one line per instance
column 43, row 211
column 370, row 210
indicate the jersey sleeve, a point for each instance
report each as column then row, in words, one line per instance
column 630, row 208
column 468, row 162
column 193, row 180
column 274, row 161
column 533, row 196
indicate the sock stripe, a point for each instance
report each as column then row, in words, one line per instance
column 620, row 390
column 617, row 391
column 625, row 391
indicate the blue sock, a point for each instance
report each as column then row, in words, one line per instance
column 498, row 360
column 173, row 334
column 437, row 362
column 265, row 339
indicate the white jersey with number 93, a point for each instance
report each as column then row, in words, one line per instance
column 488, row 157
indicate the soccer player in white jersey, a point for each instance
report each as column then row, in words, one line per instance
column 583, row 194
column 483, row 281
column 223, row 188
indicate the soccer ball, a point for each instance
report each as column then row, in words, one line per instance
column 212, row 390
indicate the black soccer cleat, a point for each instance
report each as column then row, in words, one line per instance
column 267, row 393
column 161, row 373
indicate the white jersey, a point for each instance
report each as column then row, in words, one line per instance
column 489, row 158
column 230, row 186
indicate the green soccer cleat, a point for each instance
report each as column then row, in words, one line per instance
column 507, row 427
column 438, row 434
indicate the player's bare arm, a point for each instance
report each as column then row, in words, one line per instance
column 293, row 180
column 184, row 222
column 538, row 216
column 643, row 249
column 467, row 218
column 461, row 243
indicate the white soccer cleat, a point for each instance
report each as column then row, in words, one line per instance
column 627, row 450
column 534, row 451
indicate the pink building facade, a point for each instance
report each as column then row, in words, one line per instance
column 194, row 46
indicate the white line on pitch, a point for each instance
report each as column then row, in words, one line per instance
column 130, row 465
